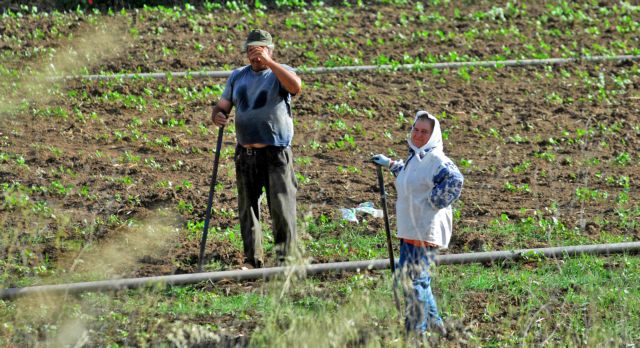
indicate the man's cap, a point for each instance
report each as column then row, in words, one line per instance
column 258, row 37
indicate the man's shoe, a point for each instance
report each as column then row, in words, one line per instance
column 245, row 266
column 250, row 264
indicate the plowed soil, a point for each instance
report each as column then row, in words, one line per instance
column 496, row 120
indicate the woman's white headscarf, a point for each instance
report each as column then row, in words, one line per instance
column 435, row 141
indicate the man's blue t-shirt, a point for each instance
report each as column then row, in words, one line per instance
column 263, row 107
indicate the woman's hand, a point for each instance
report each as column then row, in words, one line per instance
column 382, row 160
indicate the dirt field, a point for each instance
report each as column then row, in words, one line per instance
column 550, row 154
column 532, row 142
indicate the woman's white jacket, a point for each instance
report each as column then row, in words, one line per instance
column 427, row 184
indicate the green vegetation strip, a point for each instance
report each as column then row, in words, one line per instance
column 266, row 273
column 581, row 301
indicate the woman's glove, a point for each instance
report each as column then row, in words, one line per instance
column 381, row 160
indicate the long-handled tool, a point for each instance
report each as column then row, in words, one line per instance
column 212, row 189
column 383, row 198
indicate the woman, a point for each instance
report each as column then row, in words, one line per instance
column 427, row 184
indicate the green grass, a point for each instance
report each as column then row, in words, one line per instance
column 343, row 240
column 192, row 302
column 590, row 294
column 597, row 299
column 503, row 305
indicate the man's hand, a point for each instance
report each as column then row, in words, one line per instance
column 260, row 54
column 219, row 118
column 220, row 113
column 382, row 160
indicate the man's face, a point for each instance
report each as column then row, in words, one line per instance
column 255, row 55
column 421, row 133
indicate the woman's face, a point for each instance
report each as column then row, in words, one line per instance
column 421, row 133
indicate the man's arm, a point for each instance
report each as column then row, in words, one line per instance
column 220, row 113
column 288, row 79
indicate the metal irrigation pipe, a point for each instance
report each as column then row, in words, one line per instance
column 266, row 273
column 321, row 70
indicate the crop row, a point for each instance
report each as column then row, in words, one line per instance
column 154, row 124
column 399, row 33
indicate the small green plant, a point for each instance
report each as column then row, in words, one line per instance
column 466, row 163
column 519, row 188
column 623, row 159
column 152, row 163
column 518, row 139
column 114, row 220
column 588, row 194
column 522, row 167
column 126, row 180
column 314, row 144
column 128, row 157
column 55, row 151
column 348, row 169
column 57, row 188
column 177, row 165
column 184, row 207
column 302, row 179
column 184, row 185
column 547, row 156
column 303, row 161
column 21, row 161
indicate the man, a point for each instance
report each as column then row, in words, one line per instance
column 261, row 93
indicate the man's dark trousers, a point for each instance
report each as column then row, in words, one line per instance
column 270, row 168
